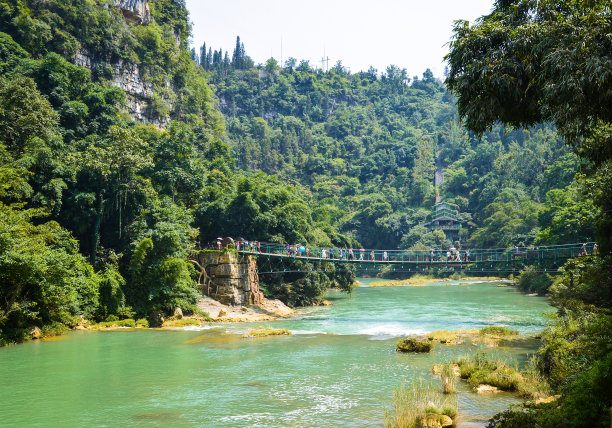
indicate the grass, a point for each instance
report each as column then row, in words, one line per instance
column 449, row 380
column 117, row 323
column 490, row 336
column 204, row 315
column 413, row 345
column 479, row 370
column 262, row 331
column 428, row 279
column 416, row 279
column 498, row 331
column 412, row 404
column 183, row 322
column 452, row 337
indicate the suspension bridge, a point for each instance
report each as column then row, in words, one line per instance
column 279, row 258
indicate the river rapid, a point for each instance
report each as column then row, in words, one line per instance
column 338, row 369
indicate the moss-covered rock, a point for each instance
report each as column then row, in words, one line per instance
column 262, row 331
column 413, row 345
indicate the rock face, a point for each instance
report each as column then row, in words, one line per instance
column 135, row 11
column 229, row 278
column 127, row 75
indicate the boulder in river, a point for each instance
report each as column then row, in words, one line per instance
column 413, row 345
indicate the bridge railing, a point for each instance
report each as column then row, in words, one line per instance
column 435, row 256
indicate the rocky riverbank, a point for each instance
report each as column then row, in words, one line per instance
column 267, row 310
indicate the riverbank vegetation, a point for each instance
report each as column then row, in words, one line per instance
column 100, row 206
column 420, row 405
column 546, row 53
column 481, row 370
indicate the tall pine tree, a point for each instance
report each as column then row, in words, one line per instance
column 237, row 55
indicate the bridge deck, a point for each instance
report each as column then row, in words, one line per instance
column 533, row 255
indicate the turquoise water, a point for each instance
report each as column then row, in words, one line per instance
column 213, row 377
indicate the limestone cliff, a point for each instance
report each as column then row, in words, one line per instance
column 127, row 75
column 135, row 11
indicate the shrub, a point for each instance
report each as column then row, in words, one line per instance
column 54, row 329
column 118, row 323
column 125, row 312
column 142, row 323
column 413, row 345
column 534, row 282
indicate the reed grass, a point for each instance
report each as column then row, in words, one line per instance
column 413, row 402
column 449, row 380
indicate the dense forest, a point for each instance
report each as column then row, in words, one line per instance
column 530, row 62
column 99, row 211
column 106, row 187
column 111, row 190
column 367, row 145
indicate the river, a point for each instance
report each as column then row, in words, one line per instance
column 337, row 370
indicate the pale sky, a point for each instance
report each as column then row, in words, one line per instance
column 407, row 33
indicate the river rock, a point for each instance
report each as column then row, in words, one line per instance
column 429, row 420
column 486, row 389
column 445, row 421
column 178, row 313
column 35, row 333
column 434, row 420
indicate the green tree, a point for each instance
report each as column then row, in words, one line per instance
column 112, row 165
column 507, row 68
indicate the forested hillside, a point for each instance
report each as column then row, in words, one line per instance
column 367, row 145
column 116, row 161
column 99, row 211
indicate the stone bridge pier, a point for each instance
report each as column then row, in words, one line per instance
column 229, row 278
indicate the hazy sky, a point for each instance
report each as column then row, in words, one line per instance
column 410, row 34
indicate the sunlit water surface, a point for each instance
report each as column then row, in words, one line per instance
column 338, row 369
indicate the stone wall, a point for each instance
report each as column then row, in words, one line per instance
column 229, row 278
